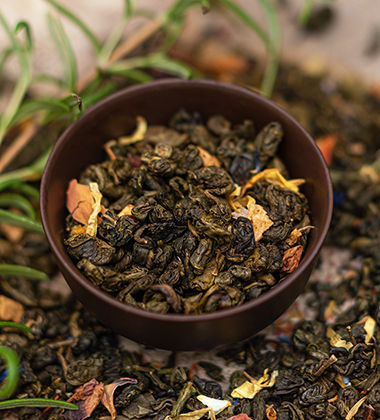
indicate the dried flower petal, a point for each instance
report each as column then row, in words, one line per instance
column 193, row 415
column 355, row 408
column 291, row 258
column 216, row 405
column 138, row 134
column 79, row 201
column 336, row 340
column 271, row 413
column 107, row 397
column 127, row 210
column 252, row 387
column 369, row 327
column 96, row 209
column 10, row 310
column 207, row 158
column 326, row 145
column 88, row 396
column 274, row 176
column 240, row 417
column 259, row 219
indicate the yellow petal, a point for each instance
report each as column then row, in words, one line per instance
column 207, row 158
column 259, row 218
column 336, row 340
column 293, row 237
column 251, row 388
column 274, row 176
column 138, row 134
column 194, row 415
column 355, row 408
column 96, row 209
column 216, row 405
column 369, row 327
column 127, row 210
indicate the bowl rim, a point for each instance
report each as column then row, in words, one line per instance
column 263, row 299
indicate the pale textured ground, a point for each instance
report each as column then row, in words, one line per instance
column 341, row 46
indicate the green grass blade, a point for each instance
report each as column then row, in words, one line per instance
column 248, row 20
column 32, row 106
column 100, row 93
column 18, row 201
column 30, row 173
column 48, row 78
column 272, row 66
column 29, row 39
column 10, row 270
column 65, row 51
column 9, row 324
column 21, row 221
column 11, row 360
column 132, row 74
column 23, row 82
column 81, row 25
column 36, row 402
column 23, row 188
column 4, row 57
column 154, row 61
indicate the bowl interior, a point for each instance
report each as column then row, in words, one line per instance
column 81, row 145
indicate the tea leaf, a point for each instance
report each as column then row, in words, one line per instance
column 18, row 201
column 11, row 270
column 21, row 221
column 355, row 408
column 36, row 402
column 11, row 361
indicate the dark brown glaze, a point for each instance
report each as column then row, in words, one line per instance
column 81, row 145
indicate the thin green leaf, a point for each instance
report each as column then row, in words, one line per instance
column 18, row 201
column 9, row 324
column 272, row 66
column 21, row 221
column 48, row 78
column 37, row 402
column 24, row 188
column 103, row 91
column 11, row 270
column 29, row 39
column 11, row 360
column 65, row 51
column 112, row 41
column 22, row 83
column 81, row 25
column 32, row 106
column 154, row 61
column 4, row 57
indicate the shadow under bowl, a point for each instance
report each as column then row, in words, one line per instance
column 81, row 145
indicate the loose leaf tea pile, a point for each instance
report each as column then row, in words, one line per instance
column 189, row 218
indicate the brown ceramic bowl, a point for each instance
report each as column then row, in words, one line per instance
column 81, row 145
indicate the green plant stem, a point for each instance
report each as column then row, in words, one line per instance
column 36, row 402
column 9, row 324
column 10, row 270
column 21, row 221
column 22, row 83
column 75, row 19
column 18, row 201
column 271, row 41
column 11, row 360
column 32, row 172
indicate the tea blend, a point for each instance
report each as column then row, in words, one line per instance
column 190, row 218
